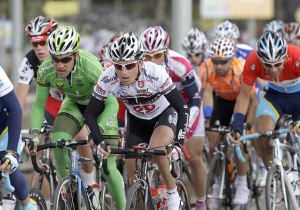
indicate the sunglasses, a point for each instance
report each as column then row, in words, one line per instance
column 157, row 55
column 219, row 62
column 128, row 66
column 194, row 55
column 276, row 65
column 41, row 43
column 62, row 60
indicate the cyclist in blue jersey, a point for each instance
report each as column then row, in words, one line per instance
column 10, row 144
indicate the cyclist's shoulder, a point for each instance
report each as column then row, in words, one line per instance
column 5, row 84
column 46, row 68
column 88, row 63
column 178, row 63
column 152, row 70
column 237, row 64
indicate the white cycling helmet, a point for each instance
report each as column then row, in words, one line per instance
column 194, row 42
column 40, row 28
column 291, row 31
column 227, row 29
column 154, row 39
column 222, row 48
column 276, row 26
column 271, row 47
column 126, row 48
column 63, row 40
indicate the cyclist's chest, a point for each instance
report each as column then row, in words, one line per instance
column 73, row 85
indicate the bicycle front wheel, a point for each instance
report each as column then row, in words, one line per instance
column 105, row 198
column 274, row 192
column 136, row 197
column 66, row 196
column 183, row 193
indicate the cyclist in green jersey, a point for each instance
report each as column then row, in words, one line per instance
column 75, row 72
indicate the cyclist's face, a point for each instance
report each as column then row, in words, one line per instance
column 274, row 70
column 195, row 58
column 127, row 71
column 64, row 64
column 40, row 50
column 221, row 66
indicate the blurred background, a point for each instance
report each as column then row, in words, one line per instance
column 98, row 20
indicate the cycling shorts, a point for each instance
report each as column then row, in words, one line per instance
column 223, row 110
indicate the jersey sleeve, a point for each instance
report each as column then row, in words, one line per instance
column 164, row 82
column 5, row 84
column 25, row 72
column 101, row 91
column 249, row 74
column 203, row 75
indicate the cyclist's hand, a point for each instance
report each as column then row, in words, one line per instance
column 234, row 138
column 9, row 162
column 103, row 152
column 33, row 145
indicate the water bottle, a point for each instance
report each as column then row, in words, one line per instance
column 93, row 198
column 156, row 197
column 162, row 190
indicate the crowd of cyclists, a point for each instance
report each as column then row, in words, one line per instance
column 169, row 98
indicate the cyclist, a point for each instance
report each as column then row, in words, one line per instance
column 11, row 145
column 292, row 33
column 221, row 73
column 156, row 42
column 38, row 31
column 194, row 45
column 276, row 26
column 151, row 99
column 278, row 63
column 75, row 72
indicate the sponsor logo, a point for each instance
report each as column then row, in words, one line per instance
column 106, row 79
column 297, row 63
column 79, row 82
column 141, row 84
column 253, row 67
column 59, row 84
column 100, row 90
column 166, row 84
column 150, row 77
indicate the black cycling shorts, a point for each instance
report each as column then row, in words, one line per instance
column 223, row 110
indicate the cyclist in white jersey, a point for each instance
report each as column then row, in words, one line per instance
column 156, row 42
column 194, row 44
column 151, row 99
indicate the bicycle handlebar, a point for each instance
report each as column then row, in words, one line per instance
column 246, row 137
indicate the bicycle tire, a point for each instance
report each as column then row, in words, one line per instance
column 70, row 195
column 210, row 180
column 183, row 193
column 137, row 191
column 269, row 192
column 36, row 195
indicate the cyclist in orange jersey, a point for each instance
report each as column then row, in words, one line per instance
column 221, row 84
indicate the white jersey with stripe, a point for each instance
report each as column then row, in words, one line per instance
column 145, row 97
column 5, row 84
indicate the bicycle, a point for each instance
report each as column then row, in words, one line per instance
column 279, row 171
column 223, row 162
column 140, row 195
column 45, row 167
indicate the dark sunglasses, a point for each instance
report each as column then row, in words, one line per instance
column 128, row 66
column 155, row 56
column 41, row 43
column 219, row 62
column 276, row 65
column 194, row 55
column 62, row 60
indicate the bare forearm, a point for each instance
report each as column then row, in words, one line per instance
column 242, row 103
column 22, row 92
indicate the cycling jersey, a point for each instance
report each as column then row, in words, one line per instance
column 288, row 81
column 187, row 82
column 145, row 98
column 183, row 76
column 28, row 72
column 10, row 115
column 227, row 87
column 78, row 86
column 242, row 51
column 150, row 95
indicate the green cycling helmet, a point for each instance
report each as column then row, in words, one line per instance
column 63, row 40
